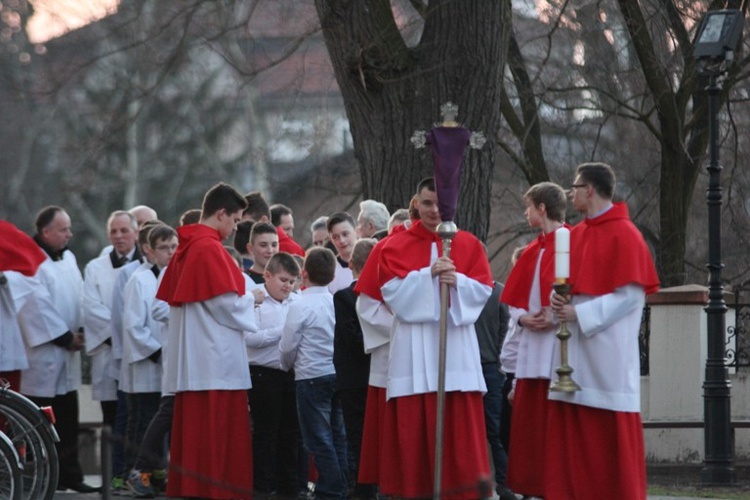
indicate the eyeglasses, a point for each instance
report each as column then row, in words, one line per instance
column 164, row 248
column 576, row 186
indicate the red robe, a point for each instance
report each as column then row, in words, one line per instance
column 207, row 460
column 407, row 435
column 595, row 453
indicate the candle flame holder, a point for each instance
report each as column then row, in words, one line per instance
column 565, row 382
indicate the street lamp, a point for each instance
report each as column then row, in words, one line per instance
column 714, row 48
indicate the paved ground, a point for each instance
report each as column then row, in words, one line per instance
column 95, row 481
column 663, row 477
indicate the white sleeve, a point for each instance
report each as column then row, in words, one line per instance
column 96, row 313
column 509, row 352
column 140, row 341
column 117, row 312
column 233, row 311
column 291, row 336
column 38, row 321
column 263, row 337
column 415, row 298
column 376, row 321
column 601, row 312
column 159, row 308
column 467, row 300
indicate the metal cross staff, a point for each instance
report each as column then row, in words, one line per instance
column 448, row 141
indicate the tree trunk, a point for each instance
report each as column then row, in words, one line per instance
column 390, row 90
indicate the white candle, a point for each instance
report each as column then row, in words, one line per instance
column 562, row 253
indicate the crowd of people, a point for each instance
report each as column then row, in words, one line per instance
column 231, row 363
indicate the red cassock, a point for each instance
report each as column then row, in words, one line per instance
column 407, row 434
column 211, row 447
column 595, row 453
column 528, row 438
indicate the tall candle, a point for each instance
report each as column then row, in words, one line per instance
column 562, row 253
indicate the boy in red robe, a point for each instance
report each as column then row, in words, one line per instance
column 206, row 361
column 594, row 436
column 410, row 273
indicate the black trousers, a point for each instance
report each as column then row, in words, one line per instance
column 507, row 412
column 151, row 454
column 276, row 433
column 65, row 407
column 353, row 402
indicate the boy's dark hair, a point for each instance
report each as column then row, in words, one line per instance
column 145, row 230
column 44, row 217
column 257, row 206
column 160, row 232
column 361, row 252
column 277, row 211
column 553, row 197
column 283, row 261
column 262, row 228
column 600, row 176
column 222, row 197
column 242, row 235
column 338, row 218
column 320, row 266
column 427, row 182
column 192, row 216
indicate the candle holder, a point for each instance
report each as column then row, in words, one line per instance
column 565, row 382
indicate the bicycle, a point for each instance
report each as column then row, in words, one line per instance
column 32, row 434
column 10, row 470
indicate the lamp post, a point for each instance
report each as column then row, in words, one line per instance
column 714, row 47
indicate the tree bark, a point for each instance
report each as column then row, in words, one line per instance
column 390, row 90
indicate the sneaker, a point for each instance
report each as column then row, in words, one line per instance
column 117, row 486
column 140, row 484
column 504, row 493
column 159, row 480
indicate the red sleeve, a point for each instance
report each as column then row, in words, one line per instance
column 18, row 252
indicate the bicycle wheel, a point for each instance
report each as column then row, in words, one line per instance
column 34, row 439
column 10, row 471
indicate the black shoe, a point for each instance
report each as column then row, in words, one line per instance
column 79, row 487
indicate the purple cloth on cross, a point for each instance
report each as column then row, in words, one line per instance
column 448, row 145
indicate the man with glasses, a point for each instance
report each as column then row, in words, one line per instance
column 594, row 435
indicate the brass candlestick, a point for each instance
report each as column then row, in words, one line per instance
column 565, row 382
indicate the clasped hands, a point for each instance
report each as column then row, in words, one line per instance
column 540, row 321
column 445, row 270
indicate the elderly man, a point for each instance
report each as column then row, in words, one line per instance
column 60, row 275
column 100, row 276
column 372, row 219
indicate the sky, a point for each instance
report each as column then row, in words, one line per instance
column 52, row 18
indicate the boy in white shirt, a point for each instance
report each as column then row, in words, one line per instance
column 264, row 244
column 272, row 397
column 307, row 346
column 143, row 336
